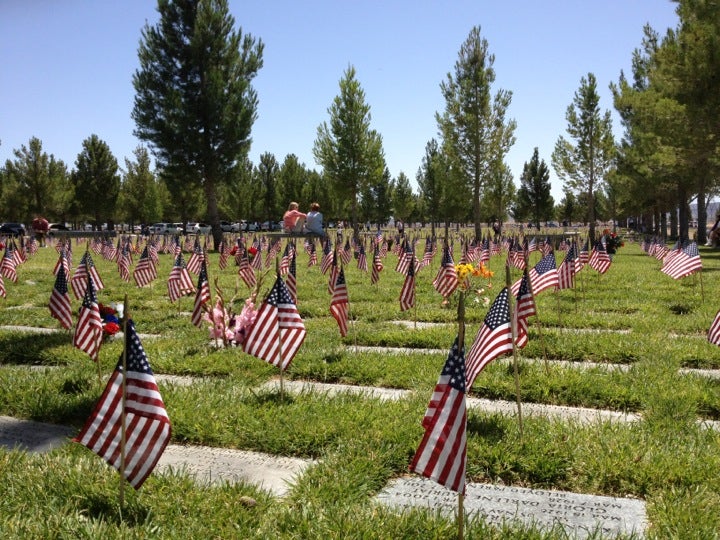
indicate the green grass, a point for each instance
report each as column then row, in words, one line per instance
column 634, row 317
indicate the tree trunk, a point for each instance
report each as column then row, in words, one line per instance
column 701, row 213
column 212, row 210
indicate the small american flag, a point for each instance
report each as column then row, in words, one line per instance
column 147, row 423
column 346, row 253
column 566, row 272
column 446, row 280
column 362, row 259
column 493, row 339
column 145, row 271
column 312, row 254
column 89, row 332
column 328, row 256
column 524, row 308
column 202, row 296
column 179, row 282
column 714, row 332
column 79, row 280
column 407, row 293
column 599, row 259
column 339, row 303
column 583, row 256
column 59, row 305
column 246, row 272
column 224, row 254
column 196, row 258
column 285, row 259
column 291, row 278
column 278, row 330
column 377, row 266
column 442, row 453
column 9, row 264
column 684, row 263
column 124, row 261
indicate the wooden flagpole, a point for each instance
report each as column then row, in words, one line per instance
column 279, row 338
column 123, row 412
column 461, row 346
column 513, row 331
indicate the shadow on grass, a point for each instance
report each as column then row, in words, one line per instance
column 28, row 348
column 492, row 429
column 102, row 508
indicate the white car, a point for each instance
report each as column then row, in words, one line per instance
column 199, row 228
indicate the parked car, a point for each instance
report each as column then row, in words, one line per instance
column 14, row 229
column 252, row 226
column 58, row 227
column 199, row 228
column 270, row 226
column 226, row 226
column 163, row 228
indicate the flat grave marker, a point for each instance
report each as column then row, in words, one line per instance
column 579, row 515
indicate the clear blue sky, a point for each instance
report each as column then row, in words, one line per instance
column 67, row 68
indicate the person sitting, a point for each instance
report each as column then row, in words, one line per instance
column 314, row 221
column 293, row 220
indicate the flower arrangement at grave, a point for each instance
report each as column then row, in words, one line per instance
column 228, row 328
column 111, row 316
column 612, row 242
column 475, row 279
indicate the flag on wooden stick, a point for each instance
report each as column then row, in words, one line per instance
column 442, row 453
column 146, row 420
column 278, row 330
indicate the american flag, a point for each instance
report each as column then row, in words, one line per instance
column 196, row 258
column 273, row 250
column 202, row 296
column 524, row 308
column 377, row 266
column 442, row 453
column 429, row 252
column 146, row 420
column 312, row 254
column 685, row 262
column 599, row 259
column 9, row 264
column 285, row 259
column 362, row 259
column 660, row 250
column 224, row 254
column 493, row 339
column 542, row 276
column 334, row 271
column 278, row 330
column 124, row 260
column 533, row 246
column 145, row 271
column 179, row 282
column 339, row 303
column 406, row 259
column 407, row 293
column 62, row 261
column 566, row 272
column 484, row 251
column 79, row 280
column 516, row 255
column 291, row 278
column 546, row 247
column 246, row 272
column 59, row 305
column 446, row 280
column 256, row 263
column 346, row 253
column 583, row 256
column 89, row 332
column 328, row 256
column 714, row 332
column 32, row 246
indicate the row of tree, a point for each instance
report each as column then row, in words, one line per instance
column 195, row 106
